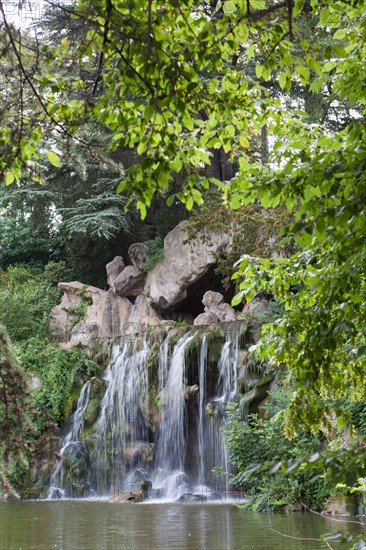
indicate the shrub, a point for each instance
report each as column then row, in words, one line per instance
column 154, row 254
column 255, row 441
column 59, row 371
column 26, row 300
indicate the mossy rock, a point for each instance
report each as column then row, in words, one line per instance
column 92, row 412
column 71, row 401
column 40, row 487
column 152, row 362
column 340, row 505
column 97, row 388
column 253, row 398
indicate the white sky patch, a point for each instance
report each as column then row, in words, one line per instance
column 23, row 14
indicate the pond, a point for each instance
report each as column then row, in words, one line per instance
column 83, row 525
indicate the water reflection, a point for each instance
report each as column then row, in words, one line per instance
column 77, row 525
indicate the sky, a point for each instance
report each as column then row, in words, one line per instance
column 23, row 13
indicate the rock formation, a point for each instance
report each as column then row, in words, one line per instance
column 138, row 253
column 216, row 310
column 184, row 262
column 114, row 268
column 130, row 282
column 135, row 301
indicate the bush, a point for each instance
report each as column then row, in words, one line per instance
column 255, row 441
column 26, row 300
column 59, row 371
column 154, row 254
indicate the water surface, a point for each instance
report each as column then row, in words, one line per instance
column 80, row 525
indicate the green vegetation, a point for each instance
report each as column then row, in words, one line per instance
column 59, row 371
column 155, row 253
column 15, row 411
column 28, row 417
column 265, row 101
column 26, row 300
column 255, row 440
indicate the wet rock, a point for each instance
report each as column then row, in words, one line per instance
column 92, row 412
column 252, row 398
column 295, row 507
column 340, row 505
column 191, row 497
column 190, row 391
column 97, row 388
column 206, row 318
column 103, row 315
column 142, row 317
column 257, row 306
column 76, row 462
column 139, row 451
column 122, row 498
column 138, row 495
column 211, row 299
column 114, row 268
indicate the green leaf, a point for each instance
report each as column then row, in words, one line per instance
column 229, row 7
column 282, row 80
column 340, row 34
column 54, row 159
column 304, row 72
column 230, row 130
column 244, row 142
column 9, row 178
column 189, row 202
column 238, row 298
column 259, row 70
column 142, row 207
column 177, row 164
column 149, row 112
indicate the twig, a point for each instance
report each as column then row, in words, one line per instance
column 291, row 536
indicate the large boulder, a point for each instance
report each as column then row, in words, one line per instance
column 142, row 317
column 138, row 253
column 206, row 318
column 340, row 505
column 114, row 268
column 62, row 317
column 216, row 310
column 87, row 312
column 184, row 262
column 130, row 282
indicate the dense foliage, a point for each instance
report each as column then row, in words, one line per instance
column 265, row 100
column 15, row 407
column 257, row 440
column 29, row 417
column 26, row 300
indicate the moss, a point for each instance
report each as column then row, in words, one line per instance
column 97, row 388
column 152, row 363
column 71, row 401
column 92, row 412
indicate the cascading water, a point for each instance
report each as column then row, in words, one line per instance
column 71, row 444
column 159, row 419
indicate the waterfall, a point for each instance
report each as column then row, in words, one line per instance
column 201, row 409
column 160, row 418
column 70, row 442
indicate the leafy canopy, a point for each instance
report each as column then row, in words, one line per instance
column 177, row 81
